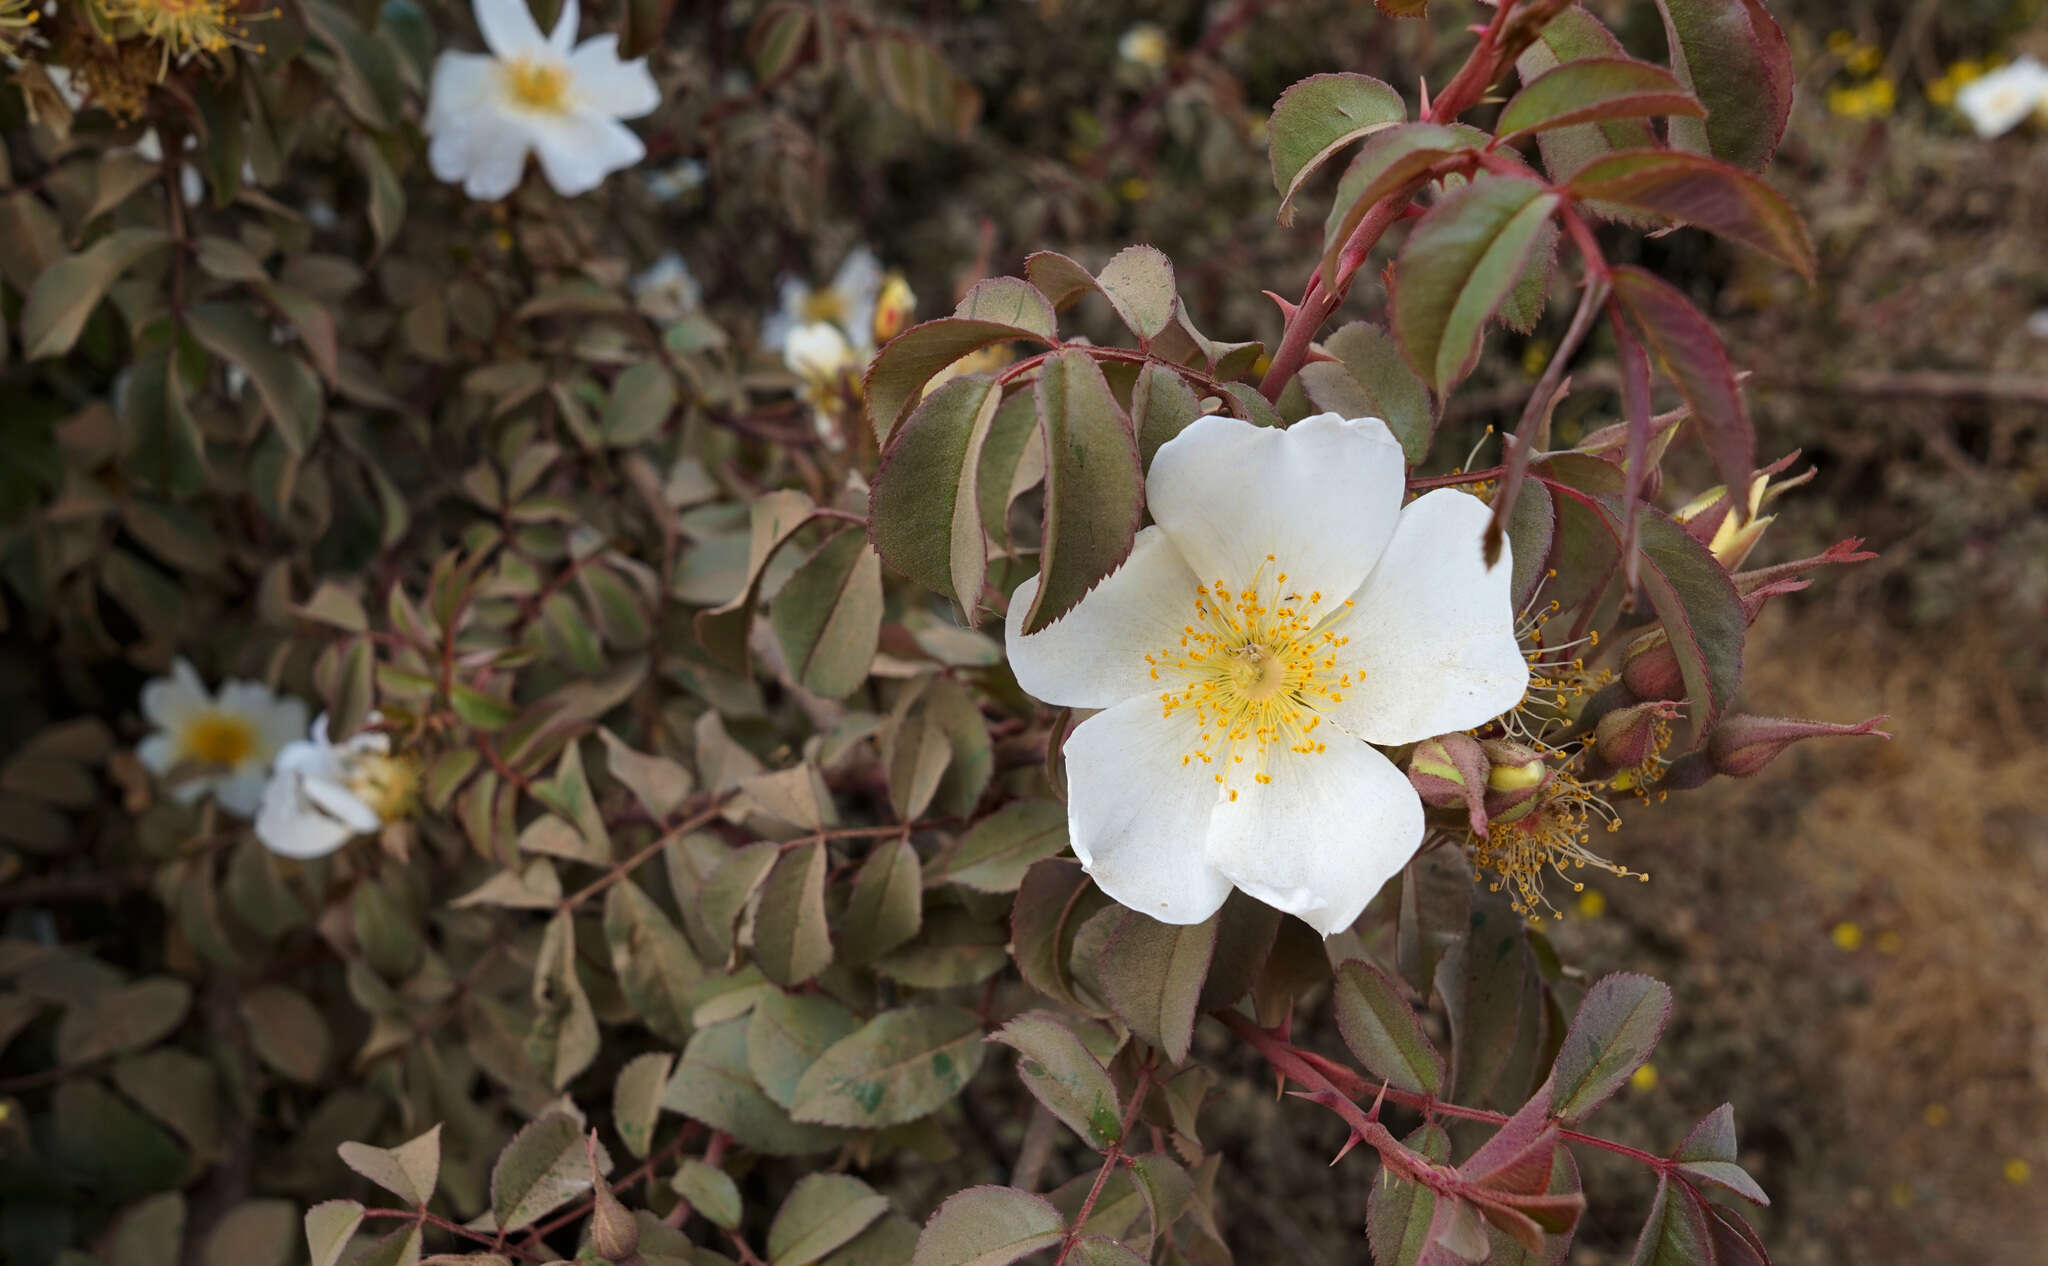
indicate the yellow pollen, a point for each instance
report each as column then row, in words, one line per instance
column 538, row 85
column 1255, row 669
column 217, row 738
column 388, row 784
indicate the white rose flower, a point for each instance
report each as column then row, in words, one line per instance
column 1285, row 614
column 849, row 303
column 324, row 794
column 1997, row 102
column 485, row 112
column 222, row 743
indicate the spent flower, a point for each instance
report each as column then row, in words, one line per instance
column 1285, row 614
column 220, row 743
column 324, row 794
column 545, row 95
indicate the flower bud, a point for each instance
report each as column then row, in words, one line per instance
column 1649, row 667
column 614, row 1232
column 1516, row 780
column 1627, row 738
column 1451, row 771
column 1745, row 744
column 894, row 307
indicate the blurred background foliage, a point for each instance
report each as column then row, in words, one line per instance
column 1854, row 939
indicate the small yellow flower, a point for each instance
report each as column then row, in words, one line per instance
column 1873, row 99
column 2018, row 1172
column 1847, row 935
column 1864, row 59
column 1134, row 189
column 1644, row 1079
column 1592, row 903
column 1935, row 1115
column 1890, row 942
column 1536, row 357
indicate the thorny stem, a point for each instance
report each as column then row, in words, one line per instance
column 1281, row 1056
column 1489, row 57
column 1110, row 1160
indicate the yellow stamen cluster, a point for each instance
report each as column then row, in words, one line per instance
column 1552, row 839
column 539, row 86
column 1640, row 777
column 116, row 77
column 388, row 784
column 1558, row 680
column 1252, row 671
column 219, row 739
column 186, row 28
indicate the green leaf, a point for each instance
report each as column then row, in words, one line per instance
column 1692, row 189
column 1318, row 116
column 1591, row 90
column 144, row 1235
column 1094, row 488
column 107, row 1147
column 1138, row 282
column 290, row 390
column 65, row 293
column 253, row 1233
column 785, row 1035
column 639, row 405
column 656, row 968
column 993, row 856
column 925, row 511
column 409, row 1171
column 1162, row 405
column 771, row 519
column 710, row 1191
column 1382, row 1030
column 329, row 1227
column 480, row 710
column 1676, row 1232
column 568, row 793
column 645, row 22
column 790, row 939
column 1399, row 1213
column 564, row 1038
column 1532, row 526
column 287, row 1032
column 714, row 1085
column 1012, row 460
column 988, row 1226
column 541, row 1169
column 777, row 40
column 896, row 379
column 1737, row 62
column 1370, row 380
column 823, row 1211
column 636, row 1099
column 1615, row 1030
column 1696, row 604
column 1054, row 900
column 124, row 1019
column 1010, row 301
column 898, row 1067
column 1488, row 985
column 1576, row 35
column 658, row 783
column 1061, row 1073
column 1153, row 973
column 1389, row 162
column 1458, row 266
column 828, row 616
column 887, row 905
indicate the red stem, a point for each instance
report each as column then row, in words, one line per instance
column 1110, row 1160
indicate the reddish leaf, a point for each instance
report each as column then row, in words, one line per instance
column 1676, row 1232
column 1704, row 192
column 1389, row 161
column 1736, row 61
column 1691, row 354
column 1458, row 266
column 1591, row 90
column 896, row 379
column 1094, row 488
column 1615, row 1030
column 1576, row 35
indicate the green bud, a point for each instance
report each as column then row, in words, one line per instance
column 1451, row 771
column 1516, row 780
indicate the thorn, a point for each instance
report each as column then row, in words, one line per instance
column 1355, row 1139
column 1373, row 1113
column 1423, row 89
column 1287, row 309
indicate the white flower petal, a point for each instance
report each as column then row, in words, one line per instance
column 1432, row 630
column 1094, row 655
column 242, row 793
column 157, row 753
column 563, row 37
column 169, row 702
column 624, row 90
column 463, row 82
column 1323, row 837
column 509, row 29
column 1320, row 497
column 579, row 149
column 487, row 155
column 287, row 827
column 1997, row 102
column 340, row 803
column 1136, row 815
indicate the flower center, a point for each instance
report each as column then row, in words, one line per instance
column 388, row 784
column 825, row 305
column 538, row 85
column 218, row 738
column 1253, row 670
